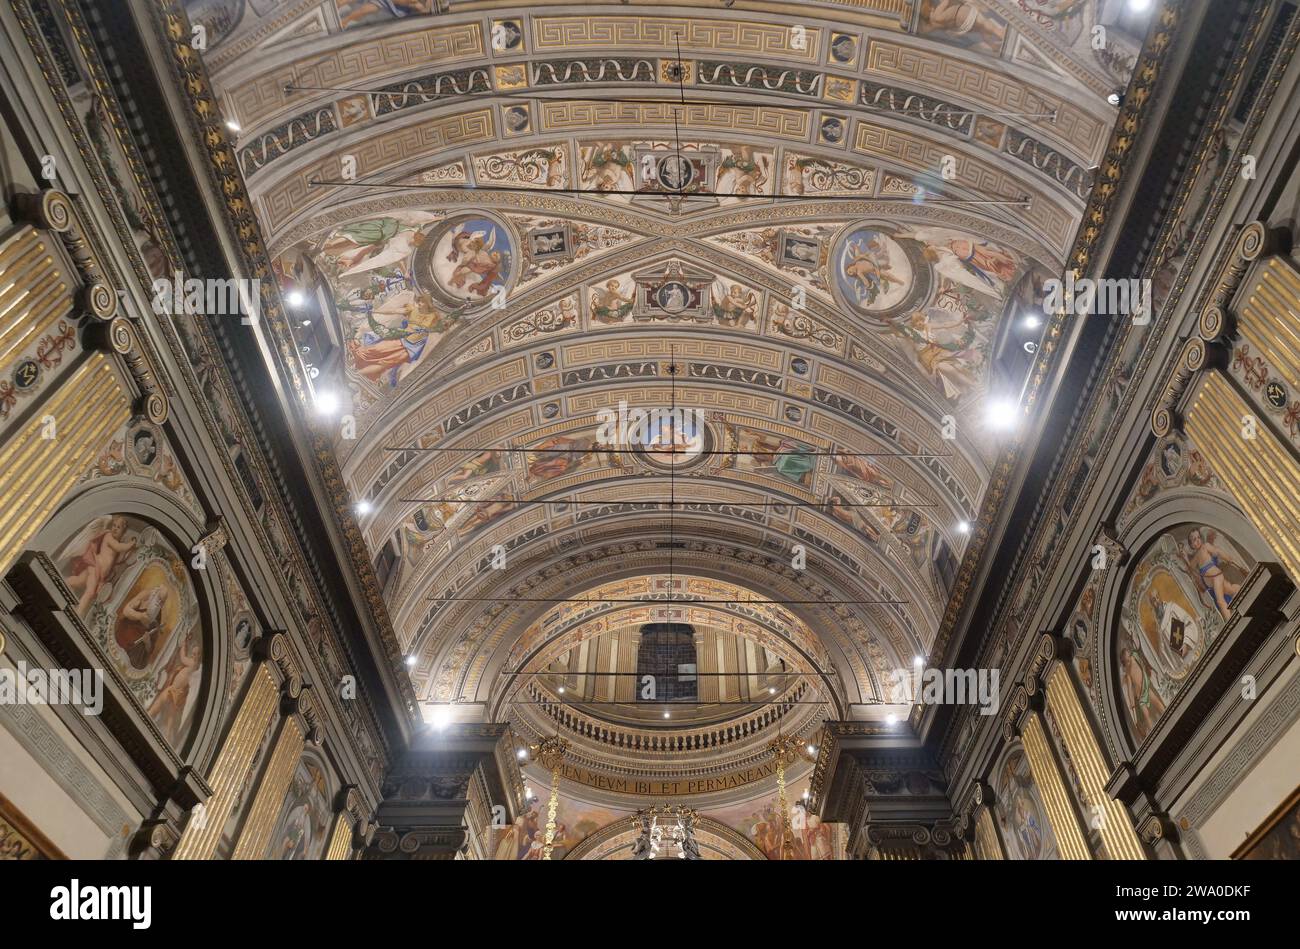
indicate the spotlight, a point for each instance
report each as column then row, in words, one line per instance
column 1000, row 414
column 232, row 125
column 919, row 660
column 521, row 754
column 410, row 661
column 771, row 690
column 294, row 298
column 1139, row 6
column 891, row 719
column 963, row 527
column 528, row 793
column 1116, row 99
column 327, row 403
column 812, row 749
column 1032, row 322
column 561, row 690
column 666, row 715
column 441, row 716
column 363, row 507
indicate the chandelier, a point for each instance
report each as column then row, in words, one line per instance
column 667, row 833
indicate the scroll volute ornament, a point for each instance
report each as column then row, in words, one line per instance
column 1254, row 242
column 52, row 210
column 1197, row 354
column 1017, row 706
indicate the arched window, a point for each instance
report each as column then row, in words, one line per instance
column 667, row 652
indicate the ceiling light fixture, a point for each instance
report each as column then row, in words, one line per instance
column 233, row 125
column 327, row 403
column 294, row 298
column 1000, row 414
column 363, row 507
column 963, row 527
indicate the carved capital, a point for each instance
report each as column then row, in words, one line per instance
column 1253, row 242
column 119, row 336
column 1157, row 827
column 1197, row 354
column 155, row 840
column 53, row 210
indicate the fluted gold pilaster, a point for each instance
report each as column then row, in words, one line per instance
column 1259, row 472
column 256, row 835
column 987, row 846
column 1116, row 828
column 199, row 842
column 1065, row 826
column 340, row 846
column 36, row 471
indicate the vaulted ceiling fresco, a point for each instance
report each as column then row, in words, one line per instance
column 823, row 230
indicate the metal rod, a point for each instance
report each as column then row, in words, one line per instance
column 680, row 451
column 670, row 503
column 638, row 602
column 1022, row 202
column 679, row 677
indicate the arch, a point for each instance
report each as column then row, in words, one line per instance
column 193, row 733
column 714, row 837
column 1165, row 523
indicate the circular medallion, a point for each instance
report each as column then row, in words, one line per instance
column 26, row 374
column 675, row 173
column 670, row 439
column 1275, row 393
column 673, row 297
column 466, row 260
column 877, row 274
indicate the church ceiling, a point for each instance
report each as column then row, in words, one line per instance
column 820, row 226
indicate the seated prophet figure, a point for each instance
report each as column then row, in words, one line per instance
column 1179, row 635
column 141, row 624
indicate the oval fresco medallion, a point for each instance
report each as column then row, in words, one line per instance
column 467, row 259
column 877, row 274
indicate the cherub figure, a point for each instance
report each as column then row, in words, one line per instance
column 104, row 552
column 1208, row 564
column 610, row 305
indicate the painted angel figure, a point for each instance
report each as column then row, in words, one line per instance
column 175, row 681
column 383, row 351
column 105, row 550
column 1212, row 570
column 369, row 245
column 610, row 304
column 476, row 259
column 1143, row 701
column 869, row 268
